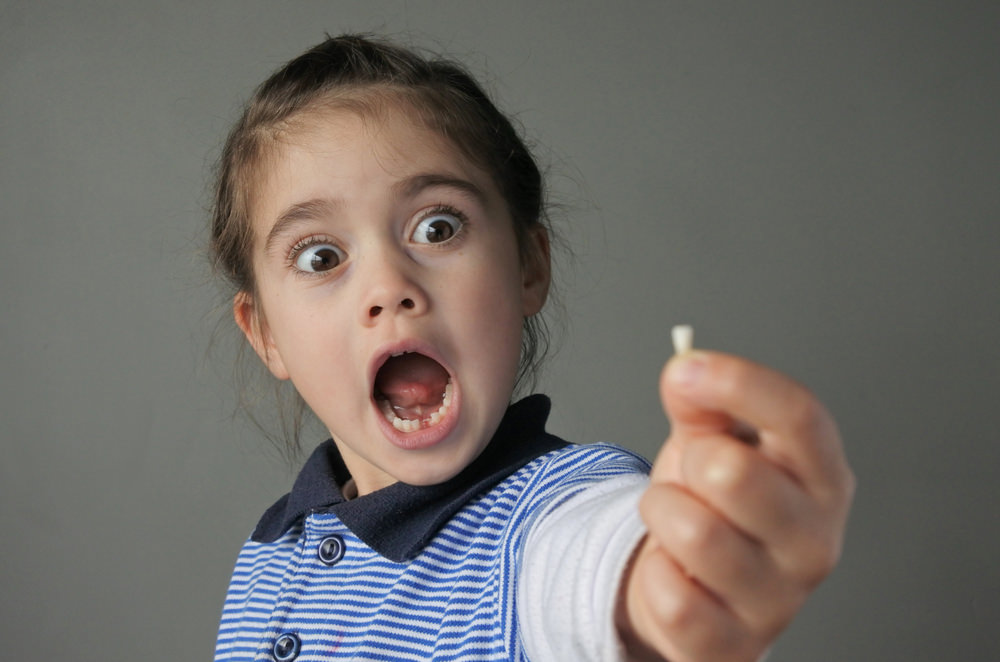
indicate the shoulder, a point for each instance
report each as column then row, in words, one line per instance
column 588, row 462
column 561, row 474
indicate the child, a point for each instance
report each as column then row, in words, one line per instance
column 382, row 225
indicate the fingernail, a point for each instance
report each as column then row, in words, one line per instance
column 687, row 370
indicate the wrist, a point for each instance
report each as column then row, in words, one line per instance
column 634, row 649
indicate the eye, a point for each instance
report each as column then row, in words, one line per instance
column 437, row 227
column 317, row 258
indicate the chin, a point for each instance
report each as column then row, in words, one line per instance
column 435, row 465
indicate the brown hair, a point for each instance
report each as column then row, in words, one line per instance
column 359, row 72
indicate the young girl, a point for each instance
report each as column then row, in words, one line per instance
column 383, row 227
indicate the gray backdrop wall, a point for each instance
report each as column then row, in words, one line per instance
column 814, row 185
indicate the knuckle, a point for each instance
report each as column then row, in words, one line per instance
column 828, row 557
column 652, row 503
column 819, row 560
column 675, row 610
column 807, row 416
column 699, row 532
column 729, row 469
column 732, row 380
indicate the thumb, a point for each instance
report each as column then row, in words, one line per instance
column 692, row 416
column 681, row 392
column 688, row 420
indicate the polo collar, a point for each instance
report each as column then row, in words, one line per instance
column 399, row 520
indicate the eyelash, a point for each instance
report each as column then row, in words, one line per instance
column 318, row 240
column 303, row 244
column 463, row 224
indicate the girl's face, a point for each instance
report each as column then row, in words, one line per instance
column 391, row 292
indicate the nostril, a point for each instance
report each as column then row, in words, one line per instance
column 408, row 304
column 374, row 311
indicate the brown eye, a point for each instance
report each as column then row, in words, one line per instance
column 437, row 228
column 319, row 258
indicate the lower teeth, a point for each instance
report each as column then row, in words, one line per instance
column 412, row 425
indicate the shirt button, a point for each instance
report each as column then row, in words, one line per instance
column 331, row 550
column 286, row 647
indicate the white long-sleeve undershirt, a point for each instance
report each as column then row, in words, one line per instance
column 572, row 565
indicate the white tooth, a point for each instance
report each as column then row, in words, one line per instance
column 387, row 411
column 683, row 337
column 412, row 425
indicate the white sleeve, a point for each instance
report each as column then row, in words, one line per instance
column 571, row 569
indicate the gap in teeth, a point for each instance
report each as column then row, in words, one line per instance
column 412, row 425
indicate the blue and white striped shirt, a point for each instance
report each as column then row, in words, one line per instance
column 444, row 590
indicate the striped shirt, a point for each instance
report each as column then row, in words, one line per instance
column 443, row 590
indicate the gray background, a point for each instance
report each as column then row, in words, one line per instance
column 814, row 185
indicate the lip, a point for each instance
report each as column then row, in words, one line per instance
column 424, row 437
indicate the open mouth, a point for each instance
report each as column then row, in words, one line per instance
column 413, row 391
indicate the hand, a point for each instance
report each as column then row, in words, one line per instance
column 746, row 512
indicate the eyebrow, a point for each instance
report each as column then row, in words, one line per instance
column 410, row 187
column 298, row 213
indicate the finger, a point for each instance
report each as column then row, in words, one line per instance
column 735, row 569
column 756, row 496
column 802, row 534
column 705, row 392
column 678, row 617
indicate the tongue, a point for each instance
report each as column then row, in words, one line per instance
column 413, row 384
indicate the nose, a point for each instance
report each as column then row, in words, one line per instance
column 393, row 289
column 405, row 304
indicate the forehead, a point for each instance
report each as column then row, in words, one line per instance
column 345, row 153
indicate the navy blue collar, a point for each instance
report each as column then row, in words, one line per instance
column 399, row 520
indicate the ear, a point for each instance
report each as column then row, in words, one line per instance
column 254, row 327
column 536, row 272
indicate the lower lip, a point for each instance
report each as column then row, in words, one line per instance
column 424, row 437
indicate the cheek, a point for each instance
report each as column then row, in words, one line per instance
column 494, row 306
column 313, row 340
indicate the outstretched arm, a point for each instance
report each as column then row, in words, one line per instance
column 746, row 512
